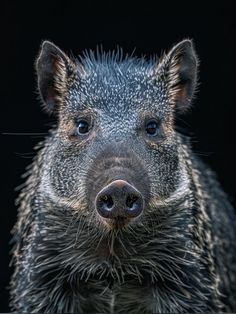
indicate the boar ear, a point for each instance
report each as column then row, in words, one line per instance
column 54, row 69
column 178, row 70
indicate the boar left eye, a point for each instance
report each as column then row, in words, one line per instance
column 152, row 127
column 83, row 127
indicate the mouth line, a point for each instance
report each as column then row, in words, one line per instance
column 118, row 223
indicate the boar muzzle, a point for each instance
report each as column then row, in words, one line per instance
column 119, row 199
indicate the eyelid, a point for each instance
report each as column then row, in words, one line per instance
column 86, row 118
column 81, row 119
column 149, row 119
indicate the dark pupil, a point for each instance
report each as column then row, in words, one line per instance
column 83, row 127
column 152, row 128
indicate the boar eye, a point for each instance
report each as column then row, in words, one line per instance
column 152, row 128
column 82, row 127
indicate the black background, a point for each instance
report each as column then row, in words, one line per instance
column 148, row 27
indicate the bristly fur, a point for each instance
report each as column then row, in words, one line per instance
column 115, row 59
column 179, row 255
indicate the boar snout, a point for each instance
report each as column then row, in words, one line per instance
column 119, row 199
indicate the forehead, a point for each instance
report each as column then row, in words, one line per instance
column 118, row 89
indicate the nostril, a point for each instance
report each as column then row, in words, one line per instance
column 106, row 201
column 131, row 201
column 119, row 199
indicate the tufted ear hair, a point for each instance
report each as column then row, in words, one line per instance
column 178, row 70
column 54, row 69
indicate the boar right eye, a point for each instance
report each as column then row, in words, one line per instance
column 82, row 127
column 152, row 128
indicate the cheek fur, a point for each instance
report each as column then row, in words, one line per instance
column 66, row 173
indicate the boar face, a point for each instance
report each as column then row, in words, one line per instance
column 115, row 152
